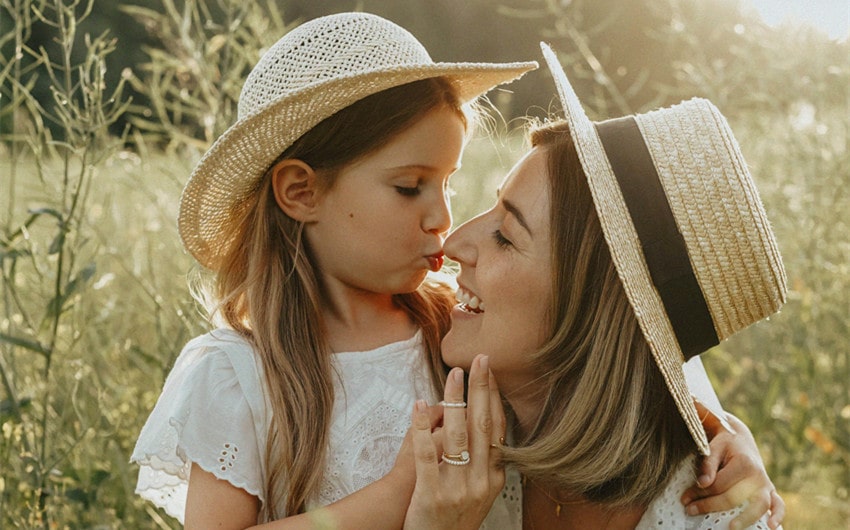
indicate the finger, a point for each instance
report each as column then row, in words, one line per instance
column 706, row 475
column 455, row 437
column 497, row 410
column 752, row 512
column 710, row 501
column 710, row 422
column 437, row 440
column 436, row 415
column 709, row 466
column 743, row 475
column 424, row 451
column 479, row 420
column 777, row 510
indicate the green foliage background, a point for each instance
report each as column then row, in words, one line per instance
column 105, row 107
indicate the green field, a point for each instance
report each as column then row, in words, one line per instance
column 94, row 304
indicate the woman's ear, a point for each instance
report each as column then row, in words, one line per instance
column 295, row 189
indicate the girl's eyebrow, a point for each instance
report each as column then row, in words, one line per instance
column 423, row 167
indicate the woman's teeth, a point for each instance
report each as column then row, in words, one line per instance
column 469, row 302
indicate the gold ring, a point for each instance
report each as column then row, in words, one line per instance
column 459, row 459
column 453, row 404
column 500, row 444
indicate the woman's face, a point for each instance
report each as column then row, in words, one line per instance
column 505, row 280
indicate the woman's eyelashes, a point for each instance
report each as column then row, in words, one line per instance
column 500, row 239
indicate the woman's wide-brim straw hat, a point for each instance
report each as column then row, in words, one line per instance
column 685, row 226
column 312, row 72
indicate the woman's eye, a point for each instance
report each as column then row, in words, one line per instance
column 501, row 241
column 408, row 192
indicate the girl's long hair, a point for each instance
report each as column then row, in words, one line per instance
column 609, row 429
column 269, row 290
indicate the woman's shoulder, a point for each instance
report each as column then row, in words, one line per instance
column 667, row 511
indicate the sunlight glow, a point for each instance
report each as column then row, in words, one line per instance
column 830, row 16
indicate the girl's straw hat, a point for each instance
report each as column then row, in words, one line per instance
column 685, row 226
column 314, row 71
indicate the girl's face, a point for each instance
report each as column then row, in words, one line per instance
column 381, row 226
column 504, row 255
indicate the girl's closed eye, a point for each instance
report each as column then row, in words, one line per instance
column 408, row 191
column 501, row 240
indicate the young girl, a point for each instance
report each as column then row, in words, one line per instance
column 319, row 213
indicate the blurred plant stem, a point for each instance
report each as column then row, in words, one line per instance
column 83, row 110
column 194, row 78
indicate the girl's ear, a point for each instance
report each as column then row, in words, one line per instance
column 295, row 189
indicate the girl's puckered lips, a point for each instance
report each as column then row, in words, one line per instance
column 435, row 261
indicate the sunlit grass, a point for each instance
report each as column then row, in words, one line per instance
column 113, row 317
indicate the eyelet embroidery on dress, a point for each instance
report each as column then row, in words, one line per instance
column 228, row 456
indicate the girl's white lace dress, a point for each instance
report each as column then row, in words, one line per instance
column 212, row 412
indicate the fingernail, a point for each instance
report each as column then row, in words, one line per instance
column 692, row 509
column 457, row 374
column 484, row 362
column 734, row 525
column 685, row 500
column 421, row 406
column 704, row 480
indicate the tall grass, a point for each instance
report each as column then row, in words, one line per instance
column 94, row 303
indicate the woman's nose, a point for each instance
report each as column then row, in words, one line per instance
column 460, row 245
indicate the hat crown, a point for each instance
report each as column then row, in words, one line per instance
column 730, row 243
column 328, row 48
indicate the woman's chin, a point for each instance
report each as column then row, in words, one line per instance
column 454, row 353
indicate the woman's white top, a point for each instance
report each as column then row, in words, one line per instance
column 212, row 412
column 665, row 512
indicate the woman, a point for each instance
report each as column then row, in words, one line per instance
column 616, row 250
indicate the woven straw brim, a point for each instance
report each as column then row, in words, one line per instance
column 232, row 168
column 685, row 141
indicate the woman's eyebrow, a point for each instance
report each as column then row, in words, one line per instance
column 513, row 210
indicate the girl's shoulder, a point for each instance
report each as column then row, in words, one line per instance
column 221, row 350
column 223, row 340
column 211, row 412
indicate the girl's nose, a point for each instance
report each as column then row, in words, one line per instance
column 438, row 219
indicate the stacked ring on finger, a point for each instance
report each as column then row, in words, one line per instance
column 453, row 404
column 459, row 459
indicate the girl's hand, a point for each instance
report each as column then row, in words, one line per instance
column 403, row 473
column 456, row 485
column 732, row 474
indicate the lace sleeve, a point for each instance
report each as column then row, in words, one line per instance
column 210, row 413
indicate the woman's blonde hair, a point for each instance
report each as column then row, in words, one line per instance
column 269, row 290
column 608, row 430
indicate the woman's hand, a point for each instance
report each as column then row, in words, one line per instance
column 732, row 474
column 457, row 484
